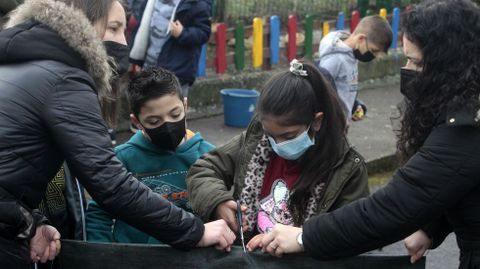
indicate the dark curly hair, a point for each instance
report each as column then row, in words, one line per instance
column 447, row 33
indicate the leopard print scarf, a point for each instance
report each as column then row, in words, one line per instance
column 250, row 194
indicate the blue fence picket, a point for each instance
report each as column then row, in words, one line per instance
column 395, row 27
column 274, row 40
column 202, row 62
column 340, row 21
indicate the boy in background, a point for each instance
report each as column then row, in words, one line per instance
column 159, row 154
column 340, row 53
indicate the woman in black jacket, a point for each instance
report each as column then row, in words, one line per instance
column 53, row 71
column 437, row 189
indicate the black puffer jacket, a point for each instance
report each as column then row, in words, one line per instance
column 440, row 184
column 49, row 112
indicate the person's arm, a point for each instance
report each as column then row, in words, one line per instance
column 74, row 121
column 417, row 245
column 210, row 178
column 98, row 224
column 438, row 176
column 437, row 231
column 198, row 33
column 355, row 188
column 430, row 236
column 332, row 65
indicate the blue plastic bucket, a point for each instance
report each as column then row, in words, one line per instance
column 238, row 106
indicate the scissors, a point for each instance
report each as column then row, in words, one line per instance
column 240, row 222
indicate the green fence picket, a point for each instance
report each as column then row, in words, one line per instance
column 308, row 46
column 239, row 46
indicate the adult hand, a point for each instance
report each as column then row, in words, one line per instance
column 217, row 234
column 282, row 240
column 416, row 244
column 227, row 211
column 176, row 28
column 45, row 245
column 255, row 242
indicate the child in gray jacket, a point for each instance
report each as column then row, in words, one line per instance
column 341, row 51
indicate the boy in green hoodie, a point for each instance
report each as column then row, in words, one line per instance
column 159, row 154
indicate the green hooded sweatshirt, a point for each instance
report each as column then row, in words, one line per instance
column 162, row 171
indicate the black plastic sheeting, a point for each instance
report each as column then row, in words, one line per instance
column 77, row 254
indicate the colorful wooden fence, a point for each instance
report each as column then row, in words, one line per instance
column 272, row 27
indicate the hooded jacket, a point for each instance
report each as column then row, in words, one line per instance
column 162, row 171
column 339, row 60
column 53, row 70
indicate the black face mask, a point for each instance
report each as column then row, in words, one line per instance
column 120, row 54
column 406, row 78
column 364, row 57
column 168, row 135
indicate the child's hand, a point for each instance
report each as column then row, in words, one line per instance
column 227, row 211
column 417, row 244
column 358, row 114
column 176, row 28
column 255, row 242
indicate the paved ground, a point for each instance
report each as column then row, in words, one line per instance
column 373, row 137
